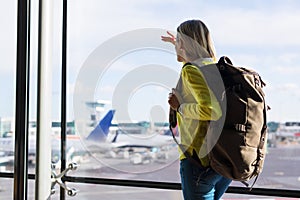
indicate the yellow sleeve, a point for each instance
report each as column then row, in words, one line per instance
column 206, row 106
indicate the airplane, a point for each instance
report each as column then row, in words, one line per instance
column 5, row 158
column 6, row 150
column 123, row 138
column 288, row 129
column 74, row 148
column 285, row 133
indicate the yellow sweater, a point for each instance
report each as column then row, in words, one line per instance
column 198, row 105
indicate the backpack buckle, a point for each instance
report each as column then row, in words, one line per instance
column 240, row 127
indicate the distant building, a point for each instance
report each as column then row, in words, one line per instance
column 7, row 127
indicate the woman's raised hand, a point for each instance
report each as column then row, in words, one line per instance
column 170, row 38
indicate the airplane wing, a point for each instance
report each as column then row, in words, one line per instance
column 123, row 140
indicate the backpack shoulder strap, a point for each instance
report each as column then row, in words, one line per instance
column 224, row 60
column 186, row 64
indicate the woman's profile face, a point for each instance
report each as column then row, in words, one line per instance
column 179, row 49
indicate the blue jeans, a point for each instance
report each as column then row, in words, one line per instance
column 201, row 184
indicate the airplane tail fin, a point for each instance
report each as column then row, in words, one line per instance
column 102, row 129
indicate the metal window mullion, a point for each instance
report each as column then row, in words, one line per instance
column 22, row 101
column 64, row 93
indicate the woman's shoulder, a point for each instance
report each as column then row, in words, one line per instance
column 190, row 70
column 189, row 66
column 199, row 62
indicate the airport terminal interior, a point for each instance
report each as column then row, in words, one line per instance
column 84, row 86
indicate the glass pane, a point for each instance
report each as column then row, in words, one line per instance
column 31, row 189
column 33, row 87
column 117, row 61
column 104, row 192
column 150, row 151
column 6, row 188
column 8, row 22
column 241, row 196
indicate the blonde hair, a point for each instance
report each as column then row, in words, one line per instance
column 196, row 39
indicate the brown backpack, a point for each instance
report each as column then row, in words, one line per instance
column 237, row 142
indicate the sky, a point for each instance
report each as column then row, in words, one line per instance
column 111, row 42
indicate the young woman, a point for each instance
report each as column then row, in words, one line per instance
column 195, row 106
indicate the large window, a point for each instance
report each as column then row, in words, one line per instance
column 119, row 75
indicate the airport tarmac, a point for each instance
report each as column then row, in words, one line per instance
column 281, row 171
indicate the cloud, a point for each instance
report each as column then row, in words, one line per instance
column 287, row 87
column 286, row 70
column 255, row 27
